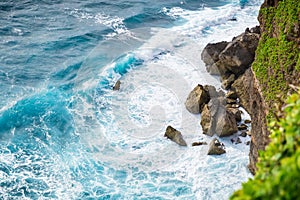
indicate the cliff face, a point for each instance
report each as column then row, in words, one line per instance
column 276, row 67
column 260, row 65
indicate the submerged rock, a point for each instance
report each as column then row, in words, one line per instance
column 174, row 135
column 117, row 85
column 216, row 147
column 196, row 99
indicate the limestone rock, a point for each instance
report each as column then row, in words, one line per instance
column 216, row 147
column 196, row 99
column 174, row 135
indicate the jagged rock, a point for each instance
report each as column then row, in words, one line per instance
column 237, row 113
column 117, row 85
column 255, row 29
column 174, row 135
column 231, row 95
column 213, row 93
column 243, row 134
column 225, row 123
column 248, row 143
column 242, row 127
column 198, row 143
column 227, row 81
column 216, row 147
column 247, row 121
column 210, row 55
column 206, row 121
column 239, row 54
column 216, row 119
column 196, row 99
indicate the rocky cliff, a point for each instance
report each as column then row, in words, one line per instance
column 260, row 65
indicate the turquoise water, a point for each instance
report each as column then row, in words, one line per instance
column 64, row 134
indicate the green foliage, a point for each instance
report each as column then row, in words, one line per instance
column 277, row 62
column 278, row 172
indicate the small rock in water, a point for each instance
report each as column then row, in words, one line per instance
column 242, row 127
column 247, row 121
column 248, row 143
column 232, row 140
column 249, row 133
column 117, row 85
column 174, row 135
column 243, row 134
column 216, row 147
column 198, row 143
column 238, row 141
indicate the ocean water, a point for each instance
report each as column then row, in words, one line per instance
column 65, row 134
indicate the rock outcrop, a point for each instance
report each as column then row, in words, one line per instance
column 231, row 59
column 175, row 135
column 216, row 147
column 233, row 64
column 196, row 99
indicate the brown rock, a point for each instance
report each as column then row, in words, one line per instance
column 206, row 121
column 196, row 99
column 242, row 127
column 198, row 143
column 246, row 87
column 174, row 135
column 231, row 95
column 247, row 121
column 237, row 113
column 117, row 85
column 238, row 141
column 243, row 134
column 216, row 147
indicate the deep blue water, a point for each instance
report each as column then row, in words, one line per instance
column 64, row 134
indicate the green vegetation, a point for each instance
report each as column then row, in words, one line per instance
column 278, row 172
column 277, row 62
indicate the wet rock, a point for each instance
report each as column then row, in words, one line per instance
column 249, row 133
column 216, row 147
column 198, row 143
column 174, row 135
column 243, row 134
column 117, row 85
column 238, row 141
column 196, row 99
column 210, row 55
column 225, row 123
column 248, row 143
column 217, row 119
column 237, row 113
column 247, row 121
column 232, row 140
column 242, row 127
column 206, row 121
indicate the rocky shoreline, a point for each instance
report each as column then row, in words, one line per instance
column 220, row 113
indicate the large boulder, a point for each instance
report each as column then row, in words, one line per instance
column 174, row 135
column 217, row 119
column 211, row 52
column 196, row 99
column 216, row 147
